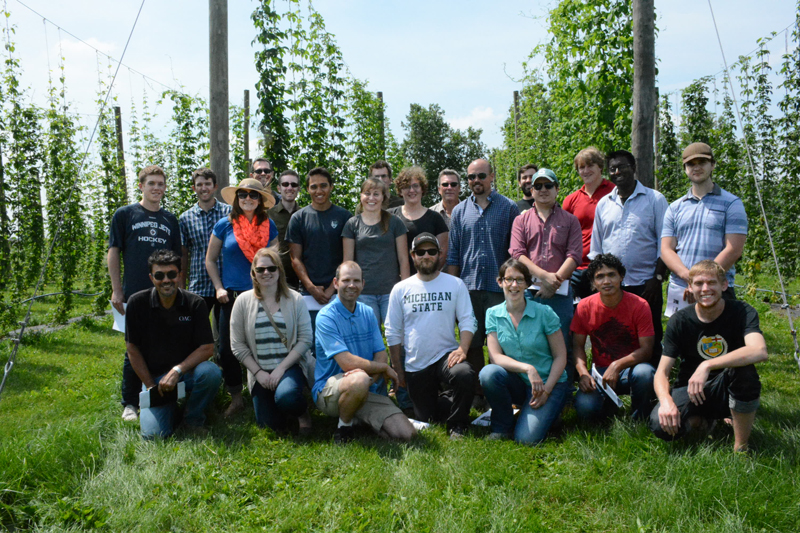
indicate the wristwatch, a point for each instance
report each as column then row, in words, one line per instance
column 177, row 369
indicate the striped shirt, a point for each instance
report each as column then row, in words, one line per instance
column 270, row 351
column 196, row 227
column 700, row 226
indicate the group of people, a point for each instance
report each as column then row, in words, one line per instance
column 313, row 296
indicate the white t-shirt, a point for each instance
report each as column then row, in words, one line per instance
column 422, row 317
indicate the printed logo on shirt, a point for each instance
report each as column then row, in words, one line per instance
column 187, row 318
column 711, row 347
column 334, row 224
column 427, row 302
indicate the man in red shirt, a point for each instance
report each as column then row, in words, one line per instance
column 582, row 203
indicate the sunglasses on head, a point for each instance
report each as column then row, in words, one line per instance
column 548, row 186
column 289, row 184
column 160, row 275
column 262, row 171
column 426, row 251
column 253, row 195
column 261, row 270
column 450, row 184
column 479, row 176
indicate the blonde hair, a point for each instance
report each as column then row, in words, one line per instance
column 590, row 156
column 274, row 256
column 377, row 183
column 707, row 266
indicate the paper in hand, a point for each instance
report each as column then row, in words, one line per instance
column 608, row 391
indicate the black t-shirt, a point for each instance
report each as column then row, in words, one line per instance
column 430, row 222
column 693, row 341
column 320, row 234
column 138, row 232
column 166, row 337
column 524, row 204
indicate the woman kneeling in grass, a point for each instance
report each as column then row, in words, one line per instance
column 528, row 357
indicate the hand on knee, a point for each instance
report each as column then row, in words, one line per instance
column 355, row 383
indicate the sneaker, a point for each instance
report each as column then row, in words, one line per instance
column 458, row 432
column 498, row 436
column 130, row 414
column 343, row 435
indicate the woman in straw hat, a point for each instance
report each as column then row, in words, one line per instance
column 238, row 237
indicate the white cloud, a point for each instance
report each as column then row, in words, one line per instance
column 479, row 117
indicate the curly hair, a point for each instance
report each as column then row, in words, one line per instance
column 609, row 260
column 403, row 180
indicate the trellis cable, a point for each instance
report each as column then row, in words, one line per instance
column 785, row 306
column 24, row 323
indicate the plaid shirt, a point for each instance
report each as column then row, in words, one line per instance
column 196, row 227
column 479, row 240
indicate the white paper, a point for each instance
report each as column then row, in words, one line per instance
column 119, row 320
column 419, row 426
column 485, row 419
column 675, row 301
column 563, row 289
column 605, row 388
column 311, row 303
column 144, row 396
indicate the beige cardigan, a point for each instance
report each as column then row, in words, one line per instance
column 243, row 327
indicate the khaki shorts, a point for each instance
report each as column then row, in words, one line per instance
column 374, row 412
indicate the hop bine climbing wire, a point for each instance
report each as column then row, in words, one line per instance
column 24, row 323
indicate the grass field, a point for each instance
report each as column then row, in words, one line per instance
column 68, row 463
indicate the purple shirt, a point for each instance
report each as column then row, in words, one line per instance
column 547, row 243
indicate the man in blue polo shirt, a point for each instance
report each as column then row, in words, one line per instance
column 707, row 223
column 351, row 358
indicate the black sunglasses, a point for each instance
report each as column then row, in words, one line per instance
column 262, row 171
column 288, row 184
column 160, row 275
column 548, row 186
column 479, row 176
column 426, row 251
column 450, row 184
column 253, row 195
column 261, row 270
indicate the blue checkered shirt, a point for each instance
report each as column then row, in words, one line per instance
column 479, row 240
column 196, row 228
column 700, row 226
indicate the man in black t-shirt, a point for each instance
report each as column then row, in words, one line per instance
column 718, row 342
column 137, row 230
column 169, row 340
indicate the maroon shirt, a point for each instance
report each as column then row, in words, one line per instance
column 583, row 206
column 548, row 243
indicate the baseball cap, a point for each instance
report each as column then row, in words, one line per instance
column 697, row 151
column 422, row 238
column 547, row 174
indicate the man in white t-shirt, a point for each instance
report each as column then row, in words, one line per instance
column 423, row 311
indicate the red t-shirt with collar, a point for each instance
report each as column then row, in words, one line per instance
column 583, row 206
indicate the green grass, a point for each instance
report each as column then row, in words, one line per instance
column 67, row 462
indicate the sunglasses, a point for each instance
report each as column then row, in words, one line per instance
column 160, row 275
column 243, row 195
column 450, row 184
column 548, row 186
column 261, row 270
column 262, row 171
column 289, row 184
column 426, row 251
column 479, row 176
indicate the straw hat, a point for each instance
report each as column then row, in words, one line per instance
column 248, row 184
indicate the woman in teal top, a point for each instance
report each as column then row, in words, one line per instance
column 528, row 358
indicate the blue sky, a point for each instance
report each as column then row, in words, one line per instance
column 464, row 55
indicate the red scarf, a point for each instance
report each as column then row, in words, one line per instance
column 250, row 236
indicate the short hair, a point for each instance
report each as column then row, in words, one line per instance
column 517, row 265
column 319, row 171
column 204, row 172
column 590, row 156
column 380, row 164
column 151, row 170
column 523, row 168
column 608, row 260
column 491, row 168
column 274, row 256
column 707, row 266
column 164, row 257
column 348, row 264
column 403, row 179
column 622, row 153
column 289, row 172
column 448, row 172
column 261, row 160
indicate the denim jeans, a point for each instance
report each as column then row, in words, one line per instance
column 202, row 385
column 636, row 381
column 503, row 389
column 563, row 307
column 481, row 301
column 379, row 303
column 275, row 408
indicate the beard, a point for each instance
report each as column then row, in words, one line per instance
column 426, row 268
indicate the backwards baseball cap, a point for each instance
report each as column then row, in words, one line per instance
column 697, row 151
column 422, row 238
column 547, row 174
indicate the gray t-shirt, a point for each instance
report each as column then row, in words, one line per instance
column 376, row 252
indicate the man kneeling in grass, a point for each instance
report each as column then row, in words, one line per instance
column 169, row 341
column 719, row 341
column 351, row 359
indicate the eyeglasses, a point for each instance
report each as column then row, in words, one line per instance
column 479, row 176
column 262, row 171
column 414, row 187
column 548, row 186
column 515, row 281
column 289, row 184
column 244, row 195
column 447, row 184
column 620, row 168
column 160, row 275
column 261, row 270
column 426, row 251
